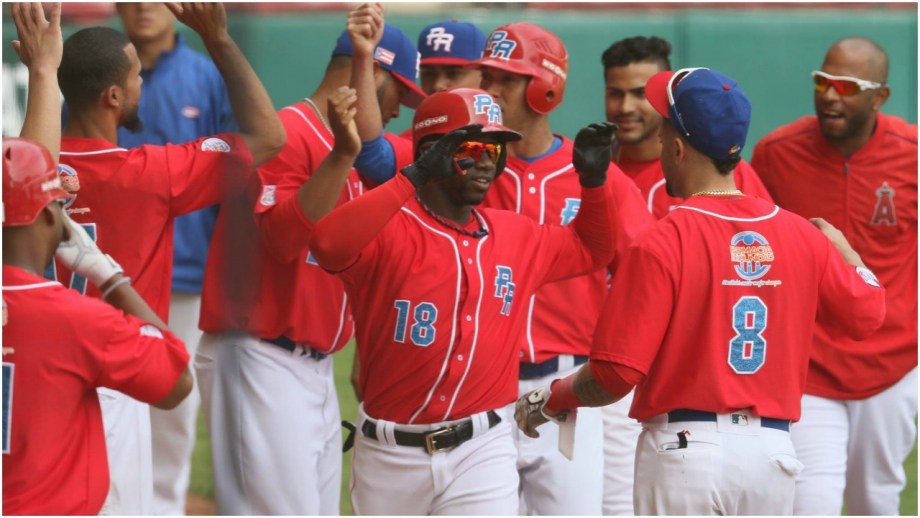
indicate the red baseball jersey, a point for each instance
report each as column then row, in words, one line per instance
column 871, row 197
column 721, row 297
column 260, row 276
column 649, row 178
column 58, row 347
column 439, row 311
column 548, row 192
column 127, row 199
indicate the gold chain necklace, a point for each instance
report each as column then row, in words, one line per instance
column 719, row 192
column 318, row 113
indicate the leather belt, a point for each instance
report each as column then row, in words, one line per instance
column 434, row 440
column 531, row 371
column 698, row 415
column 289, row 345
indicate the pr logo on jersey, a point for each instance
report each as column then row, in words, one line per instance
column 499, row 46
column 268, row 195
column 751, row 254
column 884, row 207
column 570, row 210
column 215, row 144
column 438, row 37
column 504, row 288
column 484, row 104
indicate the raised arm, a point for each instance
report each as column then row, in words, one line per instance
column 287, row 227
column 252, row 107
column 365, row 28
column 40, row 47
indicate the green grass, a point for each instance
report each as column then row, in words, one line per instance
column 202, row 482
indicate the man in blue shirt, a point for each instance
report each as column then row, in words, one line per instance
column 184, row 98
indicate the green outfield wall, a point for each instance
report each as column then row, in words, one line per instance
column 769, row 52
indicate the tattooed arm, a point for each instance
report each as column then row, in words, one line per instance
column 597, row 383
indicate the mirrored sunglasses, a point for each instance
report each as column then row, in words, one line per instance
column 845, row 85
column 475, row 150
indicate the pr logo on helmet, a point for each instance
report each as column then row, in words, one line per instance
column 484, row 104
column 499, row 46
column 752, row 254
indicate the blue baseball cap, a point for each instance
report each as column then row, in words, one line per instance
column 707, row 107
column 395, row 53
column 450, row 42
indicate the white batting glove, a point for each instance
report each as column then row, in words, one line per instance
column 81, row 255
column 530, row 413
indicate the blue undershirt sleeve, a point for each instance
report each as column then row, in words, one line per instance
column 377, row 160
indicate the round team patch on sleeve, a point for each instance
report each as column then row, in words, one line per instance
column 268, row 195
column 868, row 276
column 151, row 330
column 215, row 144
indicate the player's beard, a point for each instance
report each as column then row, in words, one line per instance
column 133, row 123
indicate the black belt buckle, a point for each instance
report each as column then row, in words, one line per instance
column 431, row 439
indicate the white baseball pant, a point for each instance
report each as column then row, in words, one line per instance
column 551, row 484
column 273, row 415
column 621, row 433
column 173, row 431
column 126, row 422
column 477, row 477
column 725, row 468
column 855, row 450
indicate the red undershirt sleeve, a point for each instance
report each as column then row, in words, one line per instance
column 594, row 224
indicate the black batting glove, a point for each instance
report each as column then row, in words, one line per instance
column 438, row 162
column 592, row 154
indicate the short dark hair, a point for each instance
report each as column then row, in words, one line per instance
column 638, row 49
column 723, row 165
column 93, row 60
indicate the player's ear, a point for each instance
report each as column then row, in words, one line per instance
column 881, row 96
column 112, row 96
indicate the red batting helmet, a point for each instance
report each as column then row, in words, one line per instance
column 530, row 50
column 448, row 110
column 30, row 181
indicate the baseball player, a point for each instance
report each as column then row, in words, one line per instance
column 436, row 287
column 859, row 410
column 127, row 199
column 721, row 296
column 524, row 68
column 628, row 64
column 293, row 315
column 50, row 372
column 184, row 99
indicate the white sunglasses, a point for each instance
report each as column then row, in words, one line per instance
column 845, row 85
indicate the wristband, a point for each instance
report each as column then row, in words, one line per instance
column 119, row 282
column 562, row 395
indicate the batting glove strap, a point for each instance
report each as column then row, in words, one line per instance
column 537, row 398
column 82, row 256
